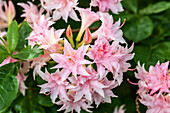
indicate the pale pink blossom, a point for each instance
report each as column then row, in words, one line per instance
column 62, row 8
column 108, row 29
column 40, row 31
column 113, row 57
column 7, row 15
column 86, row 86
column 107, row 92
column 55, row 86
column 70, row 105
column 120, row 110
column 31, row 12
column 39, row 62
column 156, row 103
column 21, row 77
column 50, row 40
column 104, row 5
column 157, row 79
column 87, row 18
column 71, row 61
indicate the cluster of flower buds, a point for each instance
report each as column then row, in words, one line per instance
column 154, row 87
column 81, row 66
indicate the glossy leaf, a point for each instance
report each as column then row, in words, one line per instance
column 138, row 28
column 24, row 31
column 29, row 53
column 12, row 35
column 8, row 85
column 155, row 8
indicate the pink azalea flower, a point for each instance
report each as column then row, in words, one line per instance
column 112, row 57
column 21, row 77
column 8, row 15
column 107, row 92
column 155, row 103
column 120, row 110
column 55, row 86
column 39, row 62
column 87, row 18
column 155, row 80
column 86, row 86
column 104, row 5
column 71, row 61
column 40, row 31
column 62, row 8
column 31, row 12
column 71, row 105
column 108, row 29
column 50, row 40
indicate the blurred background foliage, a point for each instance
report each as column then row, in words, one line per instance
column 147, row 25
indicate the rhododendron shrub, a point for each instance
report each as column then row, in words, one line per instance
column 62, row 57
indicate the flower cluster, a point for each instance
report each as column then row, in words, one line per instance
column 154, row 87
column 77, row 82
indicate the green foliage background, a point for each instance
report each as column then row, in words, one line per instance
column 147, row 24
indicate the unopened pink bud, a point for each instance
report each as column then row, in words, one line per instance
column 69, row 33
column 87, row 36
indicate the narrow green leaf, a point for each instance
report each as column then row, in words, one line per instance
column 155, row 8
column 12, row 35
column 138, row 28
column 8, row 85
column 29, row 53
column 24, row 32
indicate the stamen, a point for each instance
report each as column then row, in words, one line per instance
column 131, row 82
column 132, row 69
column 122, row 23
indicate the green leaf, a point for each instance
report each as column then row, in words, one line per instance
column 151, row 55
column 155, row 8
column 164, row 48
column 29, row 105
column 138, row 28
column 12, row 35
column 130, row 4
column 29, row 53
column 24, row 32
column 3, row 53
column 45, row 100
column 8, row 85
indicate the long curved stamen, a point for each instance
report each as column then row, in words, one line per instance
column 131, row 82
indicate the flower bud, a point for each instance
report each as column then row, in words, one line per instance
column 87, row 36
column 69, row 33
